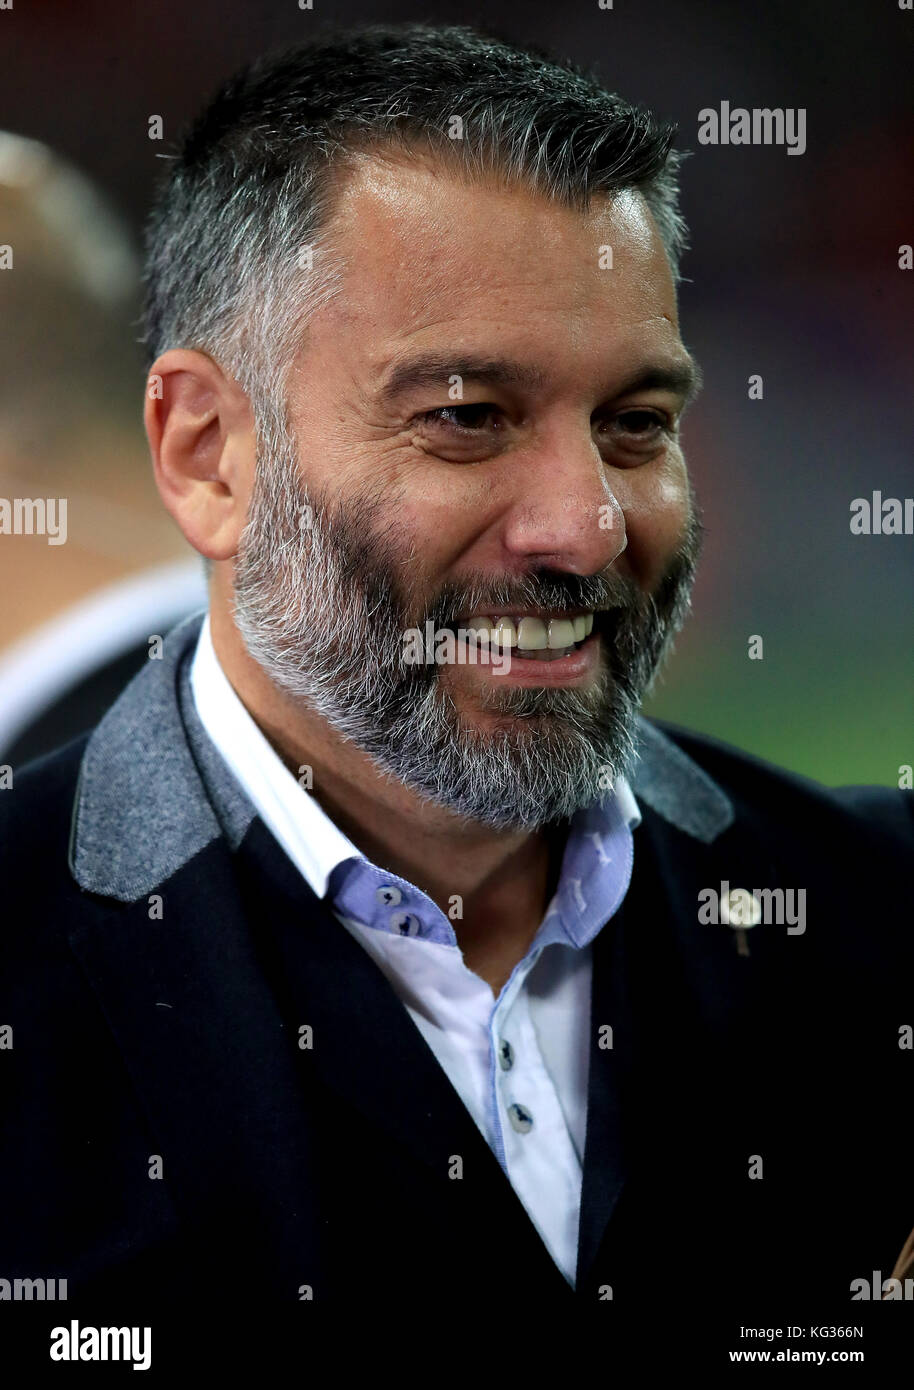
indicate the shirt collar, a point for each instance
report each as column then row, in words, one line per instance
column 307, row 834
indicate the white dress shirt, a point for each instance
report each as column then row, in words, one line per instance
column 519, row 1062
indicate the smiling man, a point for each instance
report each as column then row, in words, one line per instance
column 395, row 976
column 549, row 506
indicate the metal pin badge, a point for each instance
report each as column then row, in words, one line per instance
column 740, row 910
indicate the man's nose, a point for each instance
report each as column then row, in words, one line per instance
column 565, row 513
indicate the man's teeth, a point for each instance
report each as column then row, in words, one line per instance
column 532, row 634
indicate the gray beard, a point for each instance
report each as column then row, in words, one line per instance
column 319, row 604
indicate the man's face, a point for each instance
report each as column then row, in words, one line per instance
column 484, row 424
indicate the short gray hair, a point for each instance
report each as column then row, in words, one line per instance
column 252, row 185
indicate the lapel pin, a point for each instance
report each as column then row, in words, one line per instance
column 740, row 910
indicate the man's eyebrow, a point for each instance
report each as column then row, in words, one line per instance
column 435, row 370
column 683, row 377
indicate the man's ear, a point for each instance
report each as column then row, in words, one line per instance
column 201, row 435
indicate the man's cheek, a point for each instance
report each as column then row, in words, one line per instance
column 346, row 463
column 656, row 522
column 428, row 544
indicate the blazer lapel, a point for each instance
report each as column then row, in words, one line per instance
column 672, row 989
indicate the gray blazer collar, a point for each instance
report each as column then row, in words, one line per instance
column 153, row 791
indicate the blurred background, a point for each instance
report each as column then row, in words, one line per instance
column 793, row 275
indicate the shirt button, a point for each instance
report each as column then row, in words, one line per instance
column 389, row 895
column 521, row 1119
column 506, row 1055
column 405, row 924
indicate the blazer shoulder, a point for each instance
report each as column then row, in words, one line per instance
column 762, row 790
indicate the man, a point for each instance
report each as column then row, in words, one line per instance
column 373, row 948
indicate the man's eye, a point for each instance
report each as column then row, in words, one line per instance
column 463, row 418
column 638, row 428
column 641, row 421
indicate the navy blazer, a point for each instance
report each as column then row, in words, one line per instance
column 164, row 1137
